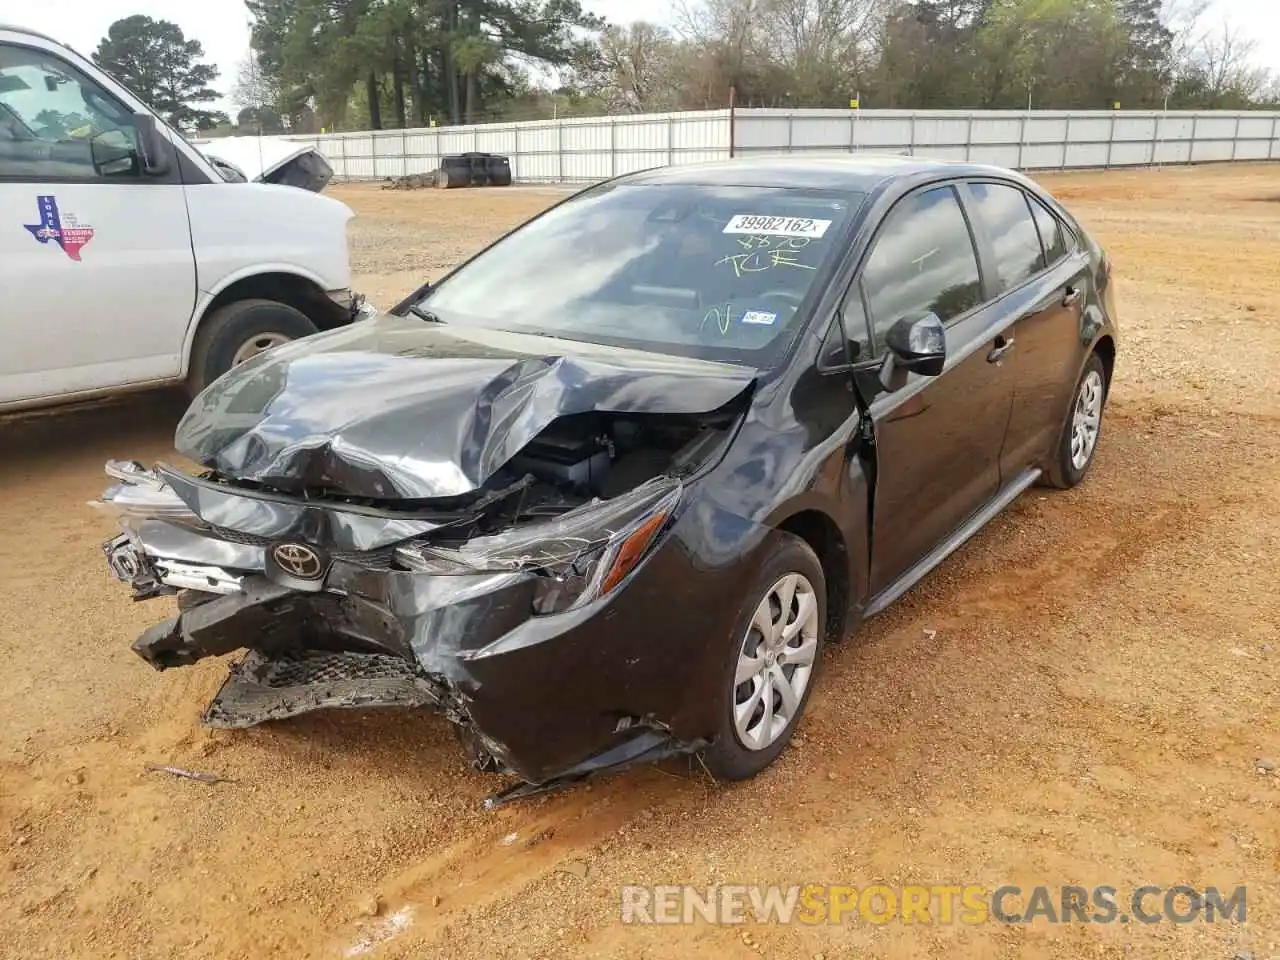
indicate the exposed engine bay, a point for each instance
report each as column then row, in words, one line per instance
column 576, row 460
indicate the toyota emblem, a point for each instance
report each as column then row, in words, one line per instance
column 299, row 561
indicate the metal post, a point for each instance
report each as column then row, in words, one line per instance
column 791, row 131
column 1275, row 129
column 1111, row 140
column 671, row 141
column 1022, row 140
column 373, row 152
column 404, row 151
column 559, row 151
column 1235, row 138
column 733, row 104
column 968, row 140
column 342, row 156
column 515, row 152
column 1191, row 151
column 911, row 147
column 613, row 146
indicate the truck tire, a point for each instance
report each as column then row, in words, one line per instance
column 235, row 332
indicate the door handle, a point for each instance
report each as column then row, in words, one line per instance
column 1002, row 347
column 1071, row 296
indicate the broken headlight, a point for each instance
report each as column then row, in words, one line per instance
column 581, row 555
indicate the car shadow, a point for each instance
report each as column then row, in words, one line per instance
column 116, row 427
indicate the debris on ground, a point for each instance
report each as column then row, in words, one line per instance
column 188, row 774
column 414, row 181
column 382, row 931
column 575, row 868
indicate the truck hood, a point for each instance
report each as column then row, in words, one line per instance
column 400, row 409
column 269, row 160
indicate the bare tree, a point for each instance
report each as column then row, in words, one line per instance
column 1229, row 72
column 633, row 69
column 254, row 88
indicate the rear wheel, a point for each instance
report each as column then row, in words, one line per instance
column 1079, row 441
column 771, row 663
column 238, row 332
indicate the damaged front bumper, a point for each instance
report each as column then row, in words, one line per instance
column 527, row 643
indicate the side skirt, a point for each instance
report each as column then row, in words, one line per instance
column 952, row 543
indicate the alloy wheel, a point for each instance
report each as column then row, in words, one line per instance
column 775, row 662
column 1086, row 419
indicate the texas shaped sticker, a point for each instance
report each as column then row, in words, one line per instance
column 63, row 229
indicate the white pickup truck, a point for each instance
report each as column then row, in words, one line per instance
column 128, row 258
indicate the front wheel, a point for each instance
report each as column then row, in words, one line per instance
column 239, row 331
column 1079, row 441
column 772, row 662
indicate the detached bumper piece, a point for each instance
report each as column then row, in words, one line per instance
column 265, row 610
column 261, row 688
column 649, row 747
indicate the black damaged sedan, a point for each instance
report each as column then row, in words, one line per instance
column 601, row 494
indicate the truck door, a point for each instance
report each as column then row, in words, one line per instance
column 97, row 275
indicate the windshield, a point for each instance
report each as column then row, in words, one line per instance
column 717, row 272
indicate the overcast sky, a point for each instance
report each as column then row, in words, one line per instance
column 223, row 25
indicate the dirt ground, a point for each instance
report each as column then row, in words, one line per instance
column 1080, row 695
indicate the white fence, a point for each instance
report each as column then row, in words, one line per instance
column 594, row 148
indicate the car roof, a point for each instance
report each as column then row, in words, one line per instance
column 861, row 172
column 14, row 28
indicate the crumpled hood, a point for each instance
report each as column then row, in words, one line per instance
column 397, row 408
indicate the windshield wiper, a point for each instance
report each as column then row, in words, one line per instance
column 426, row 315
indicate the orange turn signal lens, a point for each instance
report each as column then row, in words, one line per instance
column 632, row 550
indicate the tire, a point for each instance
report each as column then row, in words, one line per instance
column 234, row 328
column 732, row 756
column 1065, row 468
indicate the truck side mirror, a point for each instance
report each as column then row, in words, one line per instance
column 156, row 151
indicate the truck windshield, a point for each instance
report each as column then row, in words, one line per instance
column 720, row 272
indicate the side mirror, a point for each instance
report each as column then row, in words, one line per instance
column 916, row 344
column 112, row 154
column 157, row 152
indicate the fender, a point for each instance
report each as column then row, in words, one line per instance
column 207, row 297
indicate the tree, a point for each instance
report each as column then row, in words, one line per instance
column 1064, row 53
column 412, row 57
column 155, row 60
column 1146, row 65
column 1225, row 62
column 633, row 69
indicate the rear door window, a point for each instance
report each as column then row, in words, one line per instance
column 1015, row 239
column 1053, row 236
column 923, row 261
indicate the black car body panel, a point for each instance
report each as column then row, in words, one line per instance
column 357, row 443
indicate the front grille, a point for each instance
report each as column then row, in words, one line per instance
column 316, row 667
column 370, row 559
